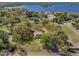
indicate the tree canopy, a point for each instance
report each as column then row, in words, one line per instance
column 54, row 39
column 22, row 33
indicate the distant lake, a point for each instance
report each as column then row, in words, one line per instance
column 53, row 8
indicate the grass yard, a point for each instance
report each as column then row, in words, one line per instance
column 3, row 28
column 36, row 49
column 34, row 46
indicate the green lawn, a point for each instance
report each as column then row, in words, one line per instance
column 34, row 46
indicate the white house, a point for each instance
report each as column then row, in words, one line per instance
column 51, row 17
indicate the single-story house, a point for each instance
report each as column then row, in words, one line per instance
column 57, row 13
column 52, row 17
column 38, row 33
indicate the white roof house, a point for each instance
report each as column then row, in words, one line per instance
column 51, row 16
column 37, row 33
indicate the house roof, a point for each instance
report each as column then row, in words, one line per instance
column 38, row 32
column 51, row 16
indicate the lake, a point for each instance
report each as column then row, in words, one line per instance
column 53, row 8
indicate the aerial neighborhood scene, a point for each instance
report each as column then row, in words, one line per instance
column 39, row 29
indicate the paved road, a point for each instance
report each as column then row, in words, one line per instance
column 71, row 33
column 69, row 25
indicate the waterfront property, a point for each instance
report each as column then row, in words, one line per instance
column 30, row 29
column 52, row 17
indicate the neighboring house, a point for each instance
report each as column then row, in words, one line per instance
column 5, row 10
column 8, row 25
column 57, row 13
column 38, row 33
column 52, row 17
column 37, row 18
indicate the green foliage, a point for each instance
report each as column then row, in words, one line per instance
column 44, row 22
column 3, row 36
column 76, row 24
column 36, row 21
column 71, row 51
column 26, row 22
column 11, row 20
column 52, row 27
column 17, row 19
column 29, row 14
column 37, row 27
column 49, row 42
column 2, row 46
column 22, row 33
column 1, row 19
column 3, row 14
column 55, row 38
column 45, row 38
column 3, row 40
column 62, row 17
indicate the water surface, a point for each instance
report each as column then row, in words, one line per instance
column 53, row 8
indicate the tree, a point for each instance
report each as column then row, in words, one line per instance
column 4, row 42
column 3, row 36
column 3, row 14
column 51, row 27
column 17, row 19
column 1, row 19
column 54, row 39
column 44, row 22
column 11, row 20
column 29, row 14
column 62, row 17
column 50, row 43
column 22, row 33
column 18, row 11
column 42, row 15
column 76, row 24
column 54, row 42
column 37, row 27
